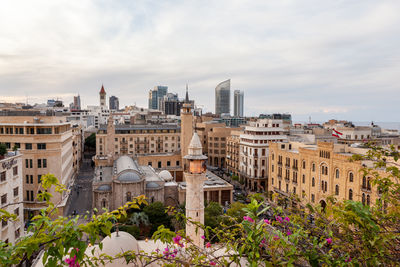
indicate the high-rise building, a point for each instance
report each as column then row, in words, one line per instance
column 223, row 98
column 102, row 93
column 77, row 102
column 238, row 100
column 114, row 103
column 156, row 95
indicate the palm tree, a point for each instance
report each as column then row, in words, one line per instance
column 138, row 218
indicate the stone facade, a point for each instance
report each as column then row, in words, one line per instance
column 203, row 128
column 46, row 145
column 232, row 152
column 11, row 193
column 314, row 172
column 217, row 145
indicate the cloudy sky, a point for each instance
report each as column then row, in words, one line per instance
column 324, row 59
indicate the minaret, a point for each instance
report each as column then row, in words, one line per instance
column 102, row 93
column 186, row 125
column 195, row 175
column 110, row 137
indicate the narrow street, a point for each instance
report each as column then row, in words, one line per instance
column 81, row 198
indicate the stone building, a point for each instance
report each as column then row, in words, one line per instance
column 314, row 172
column 203, row 128
column 254, row 145
column 217, row 137
column 46, row 145
column 232, row 152
column 117, row 183
column 11, row 193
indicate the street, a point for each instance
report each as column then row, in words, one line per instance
column 81, row 196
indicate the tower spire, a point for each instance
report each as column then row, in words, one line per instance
column 187, row 95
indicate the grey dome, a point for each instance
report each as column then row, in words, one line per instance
column 152, row 185
column 104, row 187
column 129, row 176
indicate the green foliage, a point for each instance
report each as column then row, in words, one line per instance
column 236, row 211
column 132, row 229
column 235, row 178
column 3, row 149
column 90, row 141
column 156, row 212
column 212, row 214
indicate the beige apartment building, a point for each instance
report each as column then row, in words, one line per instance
column 232, row 152
column 203, row 128
column 314, row 172
column 217, row 150
column 11, row 193
column 46, row 145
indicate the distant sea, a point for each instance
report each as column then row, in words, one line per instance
column 384, row 125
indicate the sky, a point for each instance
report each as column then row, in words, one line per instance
column 311, row 58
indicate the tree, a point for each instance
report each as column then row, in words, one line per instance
column 90, row 141
column 138, row 218
column 212, row 214
column 3, row 149
column 156, row 212
column 236, row 211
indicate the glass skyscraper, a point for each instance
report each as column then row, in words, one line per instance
column 238, row 100
column 223, row 97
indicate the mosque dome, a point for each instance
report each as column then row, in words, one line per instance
column 166, row 175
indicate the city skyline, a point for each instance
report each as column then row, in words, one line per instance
column 324, row 60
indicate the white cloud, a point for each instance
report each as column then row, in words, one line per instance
column 305, row 57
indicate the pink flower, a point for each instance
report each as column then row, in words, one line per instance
column 279, row 219
column 267, row 221
column 348, row 259
column 208, row 245
column 177, row 239
column 212, row 263
column 72, row 262
column 248, row 218
column 288, row 232
column 276, row 237
column 287, row 219
column 203, row 237
column 329, row 241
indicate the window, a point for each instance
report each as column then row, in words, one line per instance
column 2, row 176
column 15, row 170
column 39, row 163
column 43, row 130
column 337, row 173
column 287, row 188
column 128, row 196
column 29, row 195
column 28, row 146
column 39, row 178
column 16, row 211
column 368, row 200
column 313, row 182
column 304, row 164
column 313, row 167
column 337, row 190
column 177, row 163
column 3, row 199
column 103, row 203
column 149, row 163
column 304, row 178
column 26, row 163
column 364, row 182
column 159, row 164
column 312, row 198
column 16, row 191
column 17, row 233
column 363, row 199
column 350, row 194
column 44, row 163
column 351, row 177
column 168, row 163
column 41, row 146
column 4, row 224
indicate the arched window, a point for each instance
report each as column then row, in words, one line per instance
column 337, row 190
column 104, row 203
column 326, row 186
column 152, row 199
column 363, row 199
column 128, row 196
column 350, row 194
column 272, row 156
column 337, row 173
column 364, row 182
column 369, row 184
column 313, row 182
column 304, row 164
column 368, row 200
column 313, row 167
column 351, row 177
column 304, row 178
